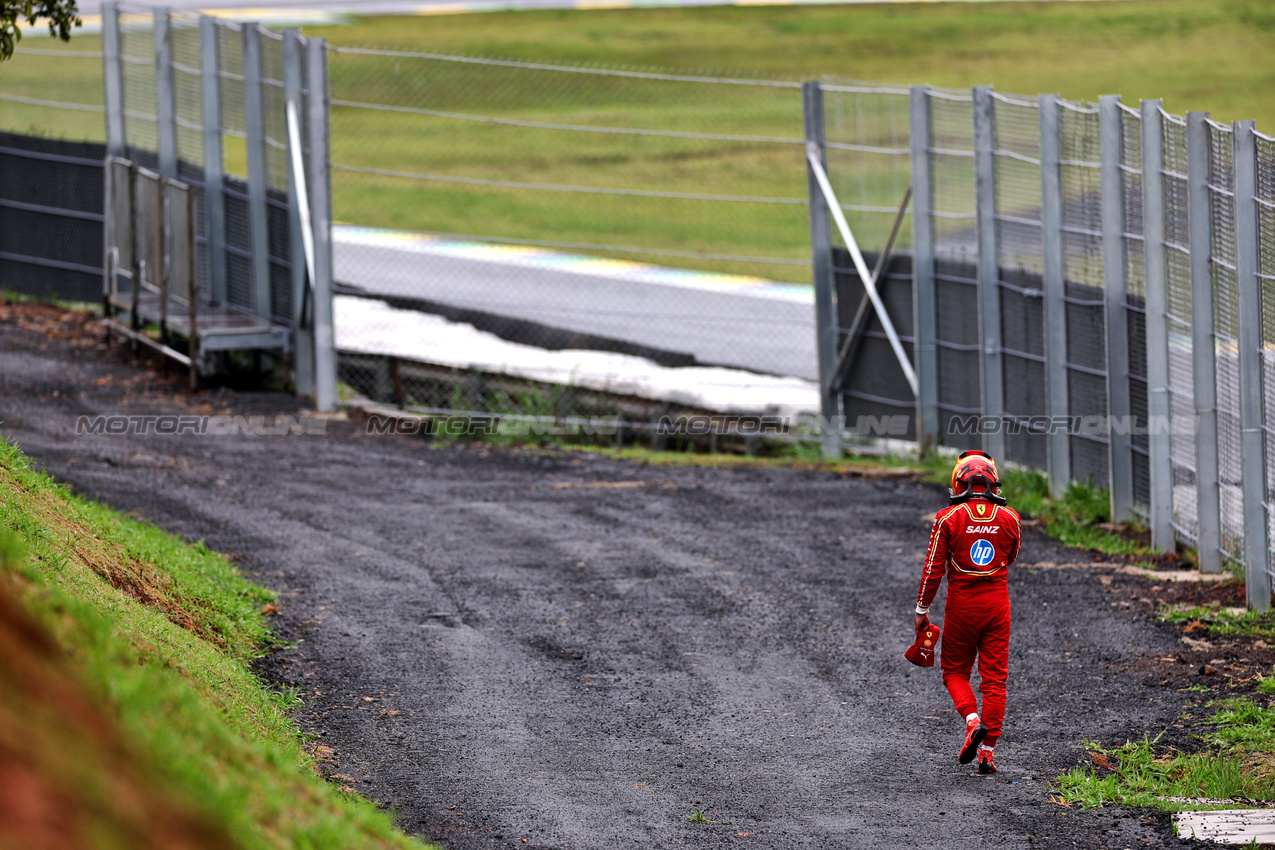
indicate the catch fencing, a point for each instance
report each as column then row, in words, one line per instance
column 1092, row 297
column 557, row 240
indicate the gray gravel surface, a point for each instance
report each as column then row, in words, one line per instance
column 552, row 649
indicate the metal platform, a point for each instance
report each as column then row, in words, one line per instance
column 206, row 329
column 151, row 279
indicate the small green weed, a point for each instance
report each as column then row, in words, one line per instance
column 701, row 817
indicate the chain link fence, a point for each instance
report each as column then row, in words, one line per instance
column 557, row 240
column 1221, row 184
column 1020, row 262
column 867, row 148
column 205, row 102
column 1080, row 177
column 949, row 147
column 1099, row 205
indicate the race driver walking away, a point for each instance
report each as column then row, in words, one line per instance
column 974, row 541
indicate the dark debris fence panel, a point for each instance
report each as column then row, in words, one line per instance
column 51, row 133
column 951, row 152
column 1265, row 202
column 1020, row 262
column 1226, row 324
column 1083, row 270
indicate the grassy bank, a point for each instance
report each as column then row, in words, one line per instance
column 156, row 637
column 1195, row 54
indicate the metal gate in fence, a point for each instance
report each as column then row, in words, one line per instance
column 229, row 111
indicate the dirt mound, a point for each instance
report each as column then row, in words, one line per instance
column 69, row 780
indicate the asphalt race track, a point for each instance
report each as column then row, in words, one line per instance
column 722, row 328
column 582, row 653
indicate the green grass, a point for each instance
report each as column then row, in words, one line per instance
column 1235, row 760
column 162, row 634
column 1075, row 519
column 1226, row 623
column 1196, row 54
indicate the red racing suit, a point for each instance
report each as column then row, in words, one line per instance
column 978, row 540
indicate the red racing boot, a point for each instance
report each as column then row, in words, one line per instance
column 985, row 763
column 975, row 732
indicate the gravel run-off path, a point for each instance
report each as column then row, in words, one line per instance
column 526, row 648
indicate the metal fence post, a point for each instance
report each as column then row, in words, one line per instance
column 821, row 260
column 303, row 344
column 113, row 79
column 1055, row 295
column 255, row 133
column 116, row 143
column 1159, row 438
column 1111, row 140
column 165, row 97
column 1249, row 309
column 214, row 157
column 924, row 297
column 989, row 295
column 1203, row 344
column 321, row 218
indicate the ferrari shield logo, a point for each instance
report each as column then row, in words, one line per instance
column 980, row 508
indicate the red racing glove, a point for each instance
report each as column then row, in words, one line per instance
column 921, row 653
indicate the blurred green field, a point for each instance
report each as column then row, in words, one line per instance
column 1204, row 54
column 1196, row 54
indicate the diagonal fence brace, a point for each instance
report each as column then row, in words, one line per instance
column 861, row 315
column 303, row 204
column 869, row 282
